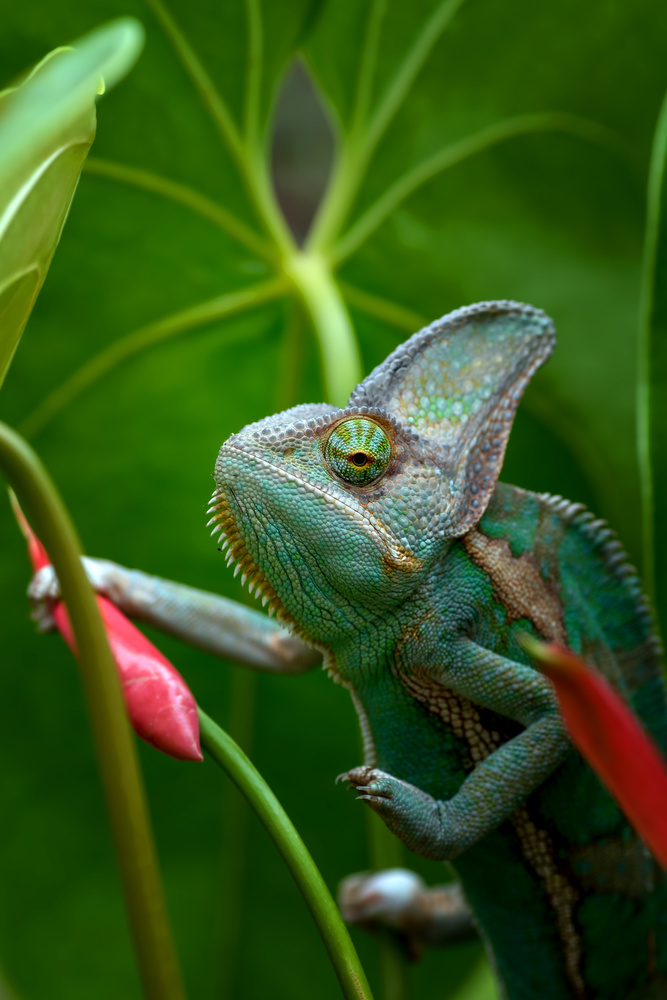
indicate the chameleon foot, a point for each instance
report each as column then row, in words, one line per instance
column 411, row 814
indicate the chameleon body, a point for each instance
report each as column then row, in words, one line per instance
column 380, row 536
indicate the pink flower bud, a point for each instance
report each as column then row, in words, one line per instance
column 162, row 709
column 612, row 740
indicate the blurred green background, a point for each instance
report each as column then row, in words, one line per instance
column 550, row 218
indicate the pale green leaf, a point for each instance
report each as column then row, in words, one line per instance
column 47, row 125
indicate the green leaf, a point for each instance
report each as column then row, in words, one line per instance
column 47, row 125
column 547, row 217
column 173, row 216
column 652, row 377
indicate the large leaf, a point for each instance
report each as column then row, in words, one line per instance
column 550, row 218
column 148, row 305
column 47, row 124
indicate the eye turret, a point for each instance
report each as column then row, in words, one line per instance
column 357, row 451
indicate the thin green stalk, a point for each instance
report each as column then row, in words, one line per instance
column 104, row 362
column 341, row 364
column 255, row 179
column 183, row 195
column 302, row 867
column 116, row 753
column 652, row 371
column 399, row 86
column 208, row 92
column 357, row 149
column 380, row 308
column 454, row 154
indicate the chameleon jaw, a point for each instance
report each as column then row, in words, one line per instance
column 224, row 526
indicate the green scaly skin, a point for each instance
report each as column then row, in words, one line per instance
column 379, row 535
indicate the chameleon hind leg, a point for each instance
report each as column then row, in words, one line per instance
column 208, row 621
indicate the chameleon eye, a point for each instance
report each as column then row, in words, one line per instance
column 357, row 451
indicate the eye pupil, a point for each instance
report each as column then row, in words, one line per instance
column 359, row 459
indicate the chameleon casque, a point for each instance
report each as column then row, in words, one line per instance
column 380, row 536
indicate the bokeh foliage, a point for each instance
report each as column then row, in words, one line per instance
column 552, row 218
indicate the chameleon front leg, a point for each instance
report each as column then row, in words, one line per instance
column 208, row 621
column 441, row 830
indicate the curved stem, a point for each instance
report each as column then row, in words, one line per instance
column 114, row 743
column 182, row 195
column 341, row 364
column 302, row 867
column 140, row 340
column 454, row 154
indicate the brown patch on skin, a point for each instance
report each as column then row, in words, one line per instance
column 537, row 847
column 518, row 584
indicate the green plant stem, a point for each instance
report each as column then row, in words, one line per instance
column 116, row 753
column 341, row 364
column 652, row 369
column 251, row 169
column 148, row 336
column 304, row 871
column 357, row 148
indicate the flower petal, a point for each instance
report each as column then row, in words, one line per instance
column 612, row 740
column 162, row 709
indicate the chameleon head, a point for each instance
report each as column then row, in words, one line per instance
column 337, row 515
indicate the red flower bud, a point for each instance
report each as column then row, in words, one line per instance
column 162, row 709
column 612, row 740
